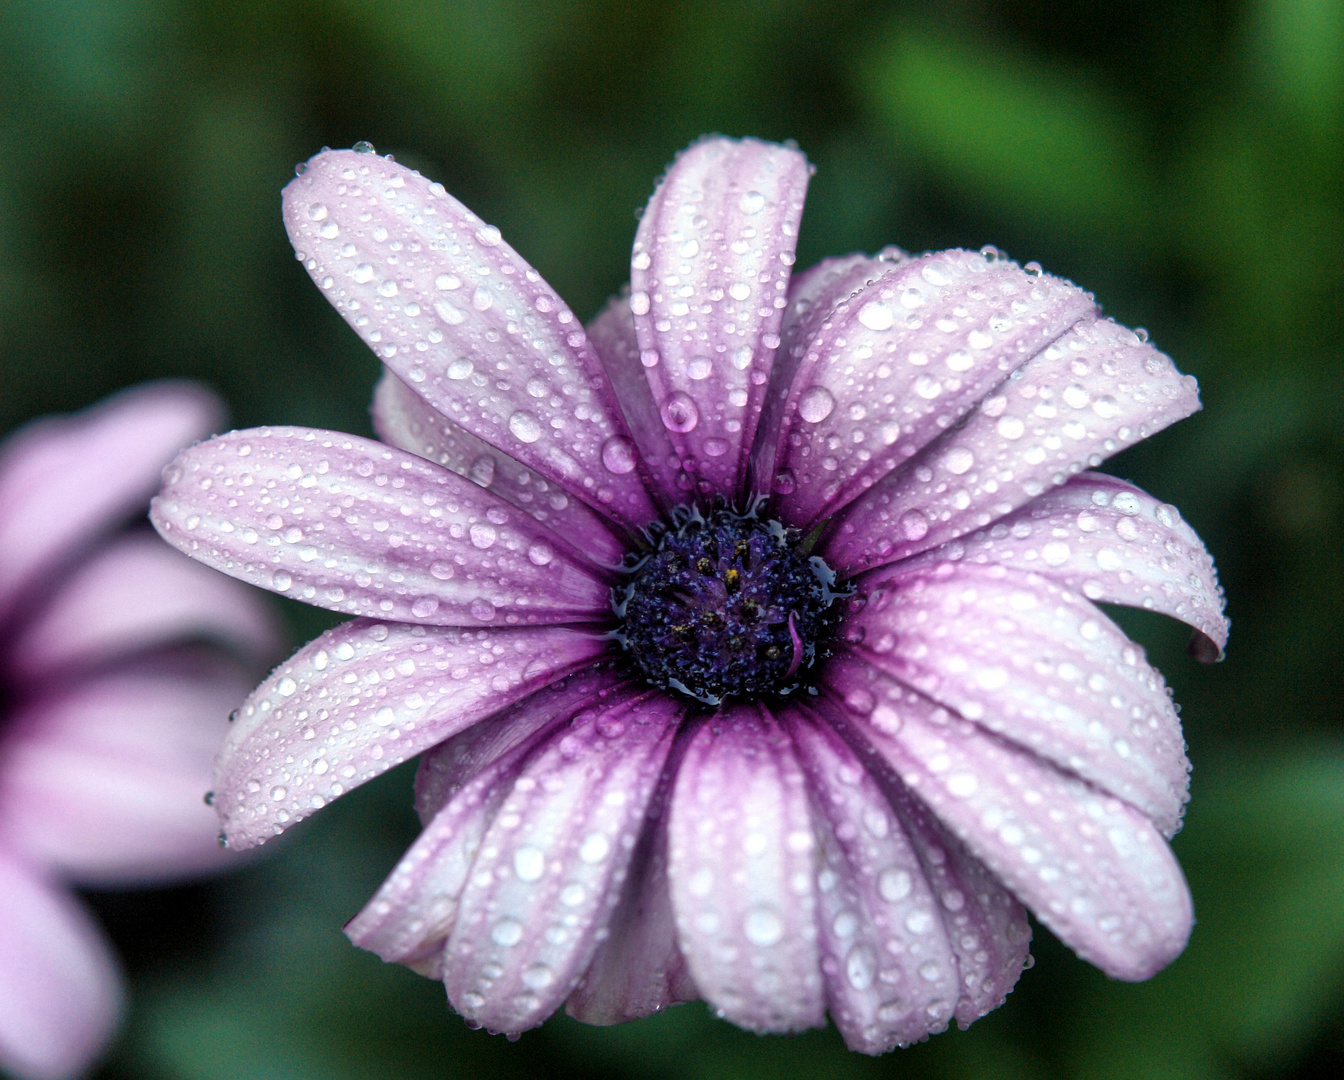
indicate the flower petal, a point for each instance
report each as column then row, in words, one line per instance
column 891, row 975
column 813, row 294
column 1110, row 541
column 454, row 311
column 366, row 696
column 613, row 336
column 460, row 786
column 638, row 969
column 105, row 780
column 1090, row 867
column 741, row 859
column 1097, row 390
column 359, row 527
column 405, row 420
column 550, row 868
column 63, row 480
column 892, row 366
column 709, row 271
column 138, row 594
column 1036, row 664
column 60, row 992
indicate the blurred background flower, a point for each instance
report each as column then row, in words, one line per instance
column 1185, row 160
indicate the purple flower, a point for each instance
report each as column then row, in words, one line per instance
column 805, row 753
column 108, row 711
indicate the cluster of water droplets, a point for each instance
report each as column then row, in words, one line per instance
column 454, row 311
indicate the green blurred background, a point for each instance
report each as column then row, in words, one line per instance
column 1183, row 160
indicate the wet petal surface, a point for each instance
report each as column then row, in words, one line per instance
column 1092, row 868
column 458, row 315
column 359, row 527
column 550, row 868
column 1097, row 390
column 891, row 367
column 1036, row 664
column 708, row 277
column 742, row 862
column 404, row 419
column 1110, row 541
column 366, row 696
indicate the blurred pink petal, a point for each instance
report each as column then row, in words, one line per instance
column 64, row 480
column 60, row 993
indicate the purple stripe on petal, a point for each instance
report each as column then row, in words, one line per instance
column 892, row 366
column 1089, row 866
column 742, row 865
column 60, row 993
column 1036, row 664
column 405, row 420
column 550, row 868
column 360, row 527
column 138, row 594
column 65, row 479
column 613, row 336
column 891, row 975
column 638, row 969
column 459, row 788
column 456, row 313
column 1097, row 390
column 104, row 780
column 710, row 268
column 813, row 295
column 446, row 767
column 366, row 696
column 1110, row 541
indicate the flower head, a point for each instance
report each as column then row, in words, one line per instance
column 748, row 635
column 110, row 706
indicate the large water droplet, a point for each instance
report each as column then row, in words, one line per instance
column 763, row 926
column 816, row 404
column 526, row 428
column 618, row 455
column 679, row 412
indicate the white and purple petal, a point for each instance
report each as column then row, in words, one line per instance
column 449, row 307
column 550, row 868
column 1113, row 543
column 908, row 354
column 366, row 696
column 709, row 275
column 1034, row 663
column 363, row 528
column 1089, row 866
column 891, row 975
column 405, row 420
column 1097, row 390
column 742, row 866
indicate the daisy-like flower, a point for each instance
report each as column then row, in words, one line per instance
column 749, row 635
column 111, row 705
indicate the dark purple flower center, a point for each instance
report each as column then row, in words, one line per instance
column 726, row 606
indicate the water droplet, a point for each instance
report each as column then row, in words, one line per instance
column 894, row 884
column 507, row 932
column 482, row 299
column 525, row 427
column 639, row 303
column 363, row 147
column 540, row 554
column 529, row 863
column 861, row 967
column 483, row 535
column 595, row 848
column 753, row 202
column 877, row 316
column 618, row 455
column 488, row 235
column 449, row 314
column 1010, row 427
column 701, row 367
column 816, row 404
column 317, row 211
column 1055, row 553
column 958, row 460
column 679, row 412
column 362, row 274
column 716, row 447
column 763, row 926
column 913, row 524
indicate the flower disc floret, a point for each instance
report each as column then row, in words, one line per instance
column 727, row 607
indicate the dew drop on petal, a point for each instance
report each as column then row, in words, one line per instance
column 529, row 863
column 816, row 404
column 679, row 412
column 763, row 926
column 913, row 525
column 507, row 932
column 525, row 427
column 877, row 316
column 753, row 202
column 618, row 455
column 424, row 607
